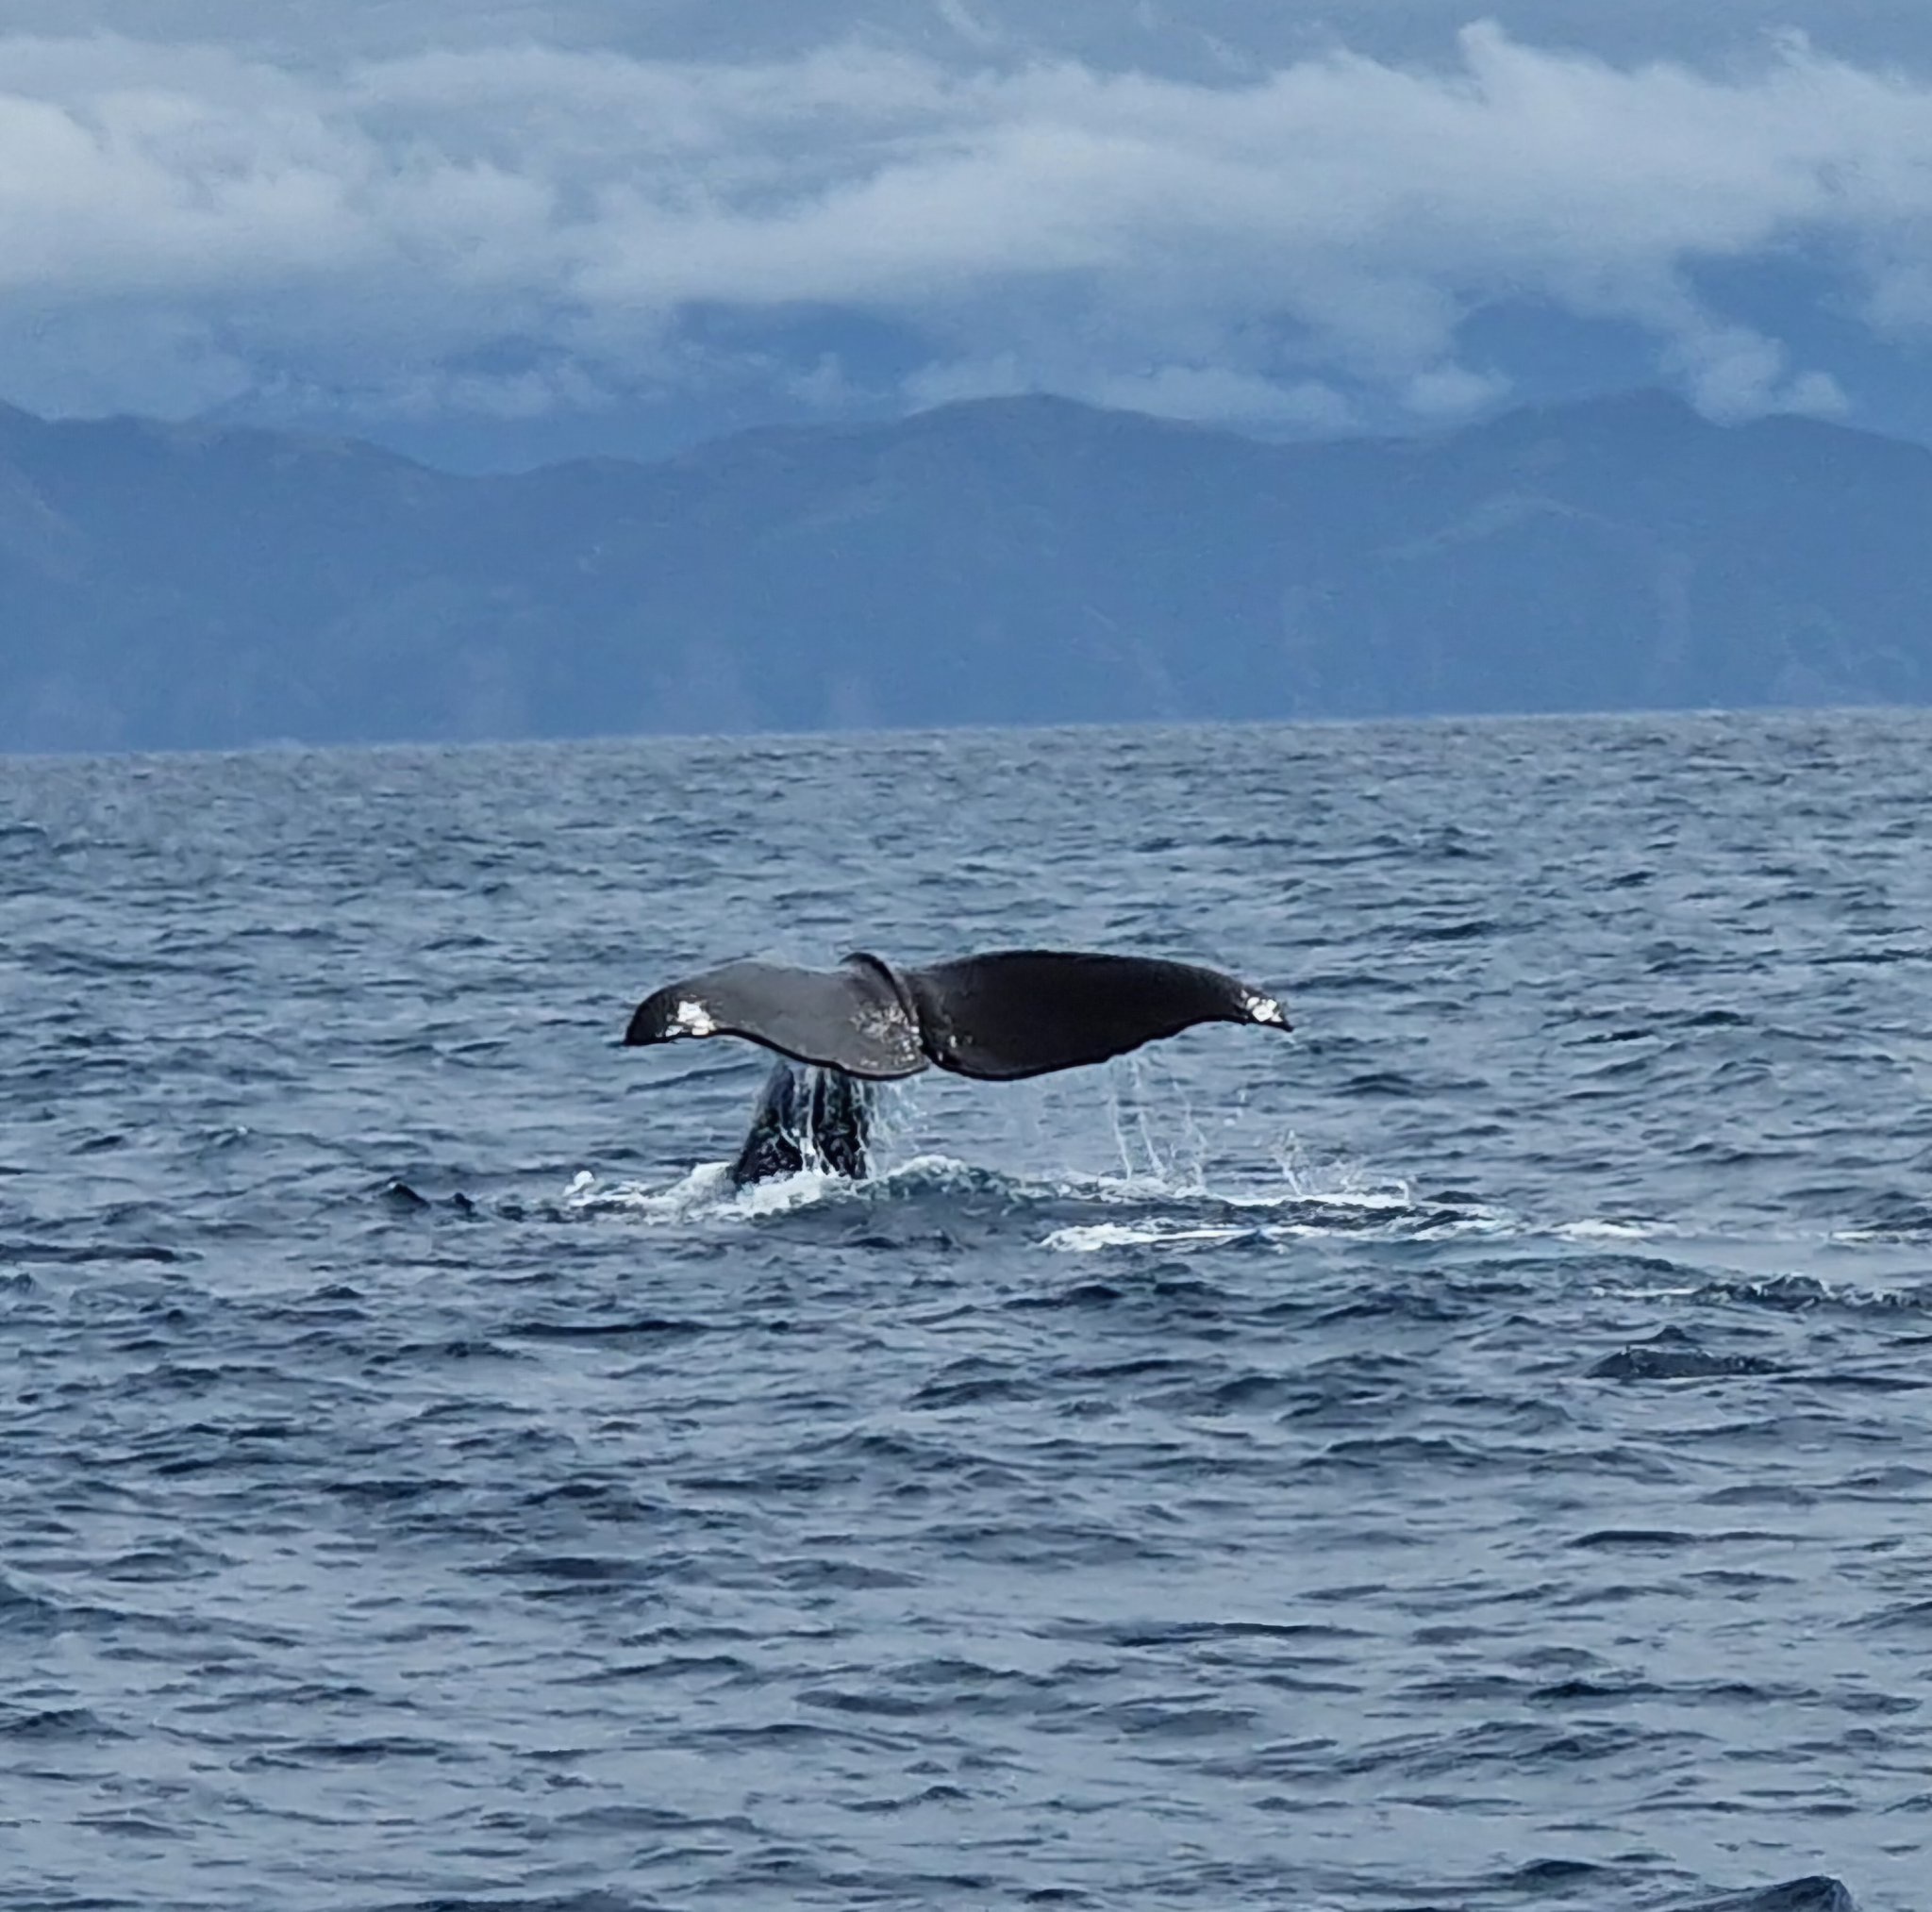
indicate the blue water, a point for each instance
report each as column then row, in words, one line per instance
column 1474, row 1453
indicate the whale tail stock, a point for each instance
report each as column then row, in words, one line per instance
column 997, row 1017
column 807, row 1117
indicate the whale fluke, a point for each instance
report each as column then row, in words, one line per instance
column 997, row 1017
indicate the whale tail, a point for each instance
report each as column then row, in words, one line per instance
column 1008, row 1014
column 998, row 1017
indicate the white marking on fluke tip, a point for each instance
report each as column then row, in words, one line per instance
column 693, row 1019
column 1264, row 1009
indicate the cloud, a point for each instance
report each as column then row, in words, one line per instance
column 496, row 230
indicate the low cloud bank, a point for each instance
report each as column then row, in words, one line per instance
column 515, row 231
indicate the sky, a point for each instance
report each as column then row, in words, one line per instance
column 491, row 232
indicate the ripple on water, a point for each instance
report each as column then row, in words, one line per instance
column 1465, row 1457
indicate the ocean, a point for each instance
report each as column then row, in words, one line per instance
column 1474, row 1453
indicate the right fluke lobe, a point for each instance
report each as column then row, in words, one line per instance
column 1014, row 1013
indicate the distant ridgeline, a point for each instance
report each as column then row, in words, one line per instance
column 1008, row 562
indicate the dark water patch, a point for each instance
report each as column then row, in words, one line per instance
column 1664, row 1540
column 1816, row 1894
column 1549, row 1878
column 1187, row 1632
column 1899, row 1481
column 1398, row 1453
column 1174, row 1720
column 131, row 1825
column 722, row 1668
column 1240, row 1394
column 180, row 1559
column 1672, row 1355
column 1395, row 1083
column 646, row 1328
column 1404, row 1301
column 595, row 1900
column 56, row 1725
column 1079, row 1294
column 569, row 1573
column 1629, row 1033
column 30, row 1614
column 395, row 1491
column 1907, row 1616
column 1844, row 1380
column 1498, row 1744
column 970, row 1383
column 1471, row 931
column 84, row 1253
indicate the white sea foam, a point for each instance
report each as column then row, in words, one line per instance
column 706, row 1192
column 1594, row 1228
column 1090, row 1238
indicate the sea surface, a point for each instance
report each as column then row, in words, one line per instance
column 1475, row 1454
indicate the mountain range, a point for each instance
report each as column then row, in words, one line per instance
column 1002, row 561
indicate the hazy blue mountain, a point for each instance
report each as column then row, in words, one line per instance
column 1006, row 561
